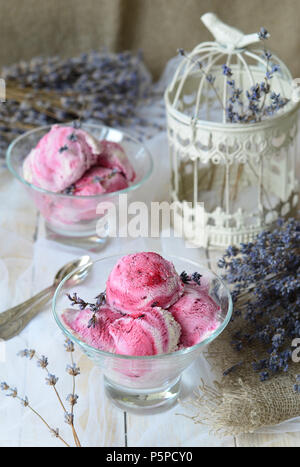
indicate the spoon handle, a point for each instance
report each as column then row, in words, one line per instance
column 16, row 311
column 13, row 327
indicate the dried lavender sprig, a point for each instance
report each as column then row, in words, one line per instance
column 72, row 398
column 25, row 403
column 93, row 307
column 51, row 380
column 256, row 95
column 186, row 278
column 75, row 300
column 209, row 78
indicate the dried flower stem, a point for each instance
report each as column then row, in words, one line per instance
column 50, row 429
column 72, row 408
column 204, row 73
column 75, row 436
column 25, row 403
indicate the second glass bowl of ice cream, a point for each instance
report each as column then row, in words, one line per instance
column 142, row 382
column 75, row 217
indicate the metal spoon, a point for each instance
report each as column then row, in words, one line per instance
column 14, row 320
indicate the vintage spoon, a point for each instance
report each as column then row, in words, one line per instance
column 14, row 320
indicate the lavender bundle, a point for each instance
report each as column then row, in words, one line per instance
column 96, row 85
column 265, row 280
column 257, row 345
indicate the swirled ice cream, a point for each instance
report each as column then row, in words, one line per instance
column 72, row 162
column 148, row 310
column 196, row 312
column 153, row 333
column 60, row 158
column 142, row 280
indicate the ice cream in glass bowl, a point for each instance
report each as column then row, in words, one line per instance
column 72, row 172
column 143, row 319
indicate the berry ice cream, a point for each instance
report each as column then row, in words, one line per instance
column 149, row 310
column 60, row 158
column 196, row 313
column 143, row 280
column 99, row 180
column 72, row 162
column 97, row 336
column 153, row 333
column 113, row 157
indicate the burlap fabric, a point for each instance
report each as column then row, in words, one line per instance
column 240, row 402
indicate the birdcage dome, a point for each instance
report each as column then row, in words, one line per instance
column 231, row 120
column 191, row 94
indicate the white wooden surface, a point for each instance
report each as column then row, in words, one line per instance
column 111, row 427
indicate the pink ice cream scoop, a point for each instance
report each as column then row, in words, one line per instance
column 98, row 336
column 196, row 313
column 113, row 156
column 60, row 158
column 99, row 180
column 139, row 281
column 153, row 333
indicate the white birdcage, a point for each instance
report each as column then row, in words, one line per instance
column 229, row 180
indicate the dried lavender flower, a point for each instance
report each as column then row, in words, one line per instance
column 27, row 353
column 4, row 386
column 196, row 277
column 13, row 392
column 72, row 399
column 72, row 137
column 63, row 148
column 69, row 418
column 25, row 401
column 51, row 380
column 92, row 321
column 69, row 346
column 263, row 34
column 185, row 277
column 93, row 307
column 226, row 70
column 77, row 301
column 73, row 370
column 101, row 299
column 55, row 432
column 42, row 362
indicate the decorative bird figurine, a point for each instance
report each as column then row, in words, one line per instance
column 226, row 35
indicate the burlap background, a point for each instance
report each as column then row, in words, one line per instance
column 159, row 27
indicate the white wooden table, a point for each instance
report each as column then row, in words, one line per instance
column 112, row 427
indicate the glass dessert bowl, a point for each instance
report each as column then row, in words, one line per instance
column 140, row 383
column 74, row 218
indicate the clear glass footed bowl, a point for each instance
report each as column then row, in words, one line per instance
column 76, row 216
column 139, row 383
